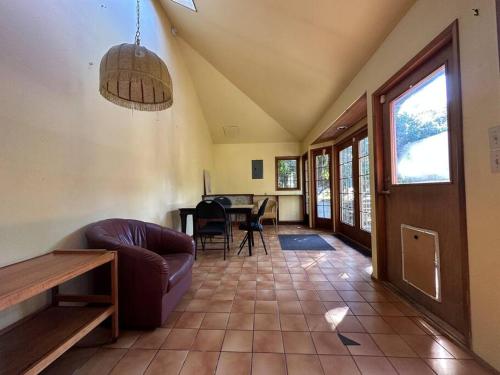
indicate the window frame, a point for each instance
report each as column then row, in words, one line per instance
column 419, row 81
column 187, row 6
column 277, row 159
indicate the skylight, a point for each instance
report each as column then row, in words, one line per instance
column 186, row 3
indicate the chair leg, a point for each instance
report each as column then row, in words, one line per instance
column 263, row 242
column 243, row 242
column 225, row 245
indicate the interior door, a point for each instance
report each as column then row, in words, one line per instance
column 423, row 189
column 322, row 167
column 305, row 188
column 353, row 189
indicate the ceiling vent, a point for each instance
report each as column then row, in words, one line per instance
column 231, row 131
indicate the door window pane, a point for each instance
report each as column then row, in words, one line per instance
column 419, row 133
column 306, row 185
column 365, row 217
column 323, row 194
column 346, row 186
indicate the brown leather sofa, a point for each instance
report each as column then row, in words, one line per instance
column 154, row 268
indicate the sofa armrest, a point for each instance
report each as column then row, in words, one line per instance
column 167, row 241
column 144, row 268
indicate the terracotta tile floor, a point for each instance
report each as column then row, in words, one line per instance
column 280, row 313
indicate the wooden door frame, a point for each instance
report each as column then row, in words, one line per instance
column 305, row 180
column 312, row 167
column 361, row 133
column 448, row 36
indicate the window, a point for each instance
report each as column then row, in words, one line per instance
column 419, row 119
column 186, row 3
column 306, row 186
column 287, row 173
column 323, row 189
column 346, row 186
column 364, row 185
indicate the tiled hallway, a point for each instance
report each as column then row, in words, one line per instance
column 289, row 312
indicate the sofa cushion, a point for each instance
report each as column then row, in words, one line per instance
column 179, row 265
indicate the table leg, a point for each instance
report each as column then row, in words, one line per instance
column 55, row 294
column 183, row 221
column 114, row 298
column 250, row 233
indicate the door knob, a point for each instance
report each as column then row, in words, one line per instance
column 385, row 192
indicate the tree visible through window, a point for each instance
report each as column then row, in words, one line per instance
column 287, row 173
column 420, row 132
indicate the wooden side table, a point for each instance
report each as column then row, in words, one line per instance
column 29, row 346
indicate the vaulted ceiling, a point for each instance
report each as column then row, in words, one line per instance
column 268, row 69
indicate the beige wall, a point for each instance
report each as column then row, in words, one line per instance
column 233, row 172
column 67, row 156
column 480, row 98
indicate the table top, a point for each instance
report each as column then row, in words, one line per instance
column 23, row 280
column 234, row 207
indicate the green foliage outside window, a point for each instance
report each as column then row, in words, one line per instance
column 287, row 174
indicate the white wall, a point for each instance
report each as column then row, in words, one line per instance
column 481, row 110
column 68, row 157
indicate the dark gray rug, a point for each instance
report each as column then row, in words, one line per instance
column 303, row 242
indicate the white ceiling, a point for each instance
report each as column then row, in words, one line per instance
column 272, row 67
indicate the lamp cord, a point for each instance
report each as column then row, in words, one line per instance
column 138, row 24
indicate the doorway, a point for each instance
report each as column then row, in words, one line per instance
column 352, row 185
column 420, row 185
column 322, row 178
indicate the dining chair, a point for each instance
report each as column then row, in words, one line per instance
column 226, row 202
column 255, row 226
column 271, row 212
column 210, row 221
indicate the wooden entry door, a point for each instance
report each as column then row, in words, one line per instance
column 422, row 190
column 353, row 206
column 322, row 187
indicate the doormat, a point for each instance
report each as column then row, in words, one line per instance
column 303, row 242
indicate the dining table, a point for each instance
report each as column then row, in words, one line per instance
column 241, row 209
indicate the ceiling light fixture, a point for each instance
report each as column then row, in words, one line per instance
column 132, row 76
column 186, row 3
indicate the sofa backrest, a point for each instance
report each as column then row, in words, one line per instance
column 112, row 233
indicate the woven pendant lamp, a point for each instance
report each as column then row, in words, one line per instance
column 132, row 76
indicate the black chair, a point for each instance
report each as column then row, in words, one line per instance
column 210, row 221
column 255, row 226
column 226, row 202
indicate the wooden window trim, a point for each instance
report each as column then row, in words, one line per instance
column 276, row 161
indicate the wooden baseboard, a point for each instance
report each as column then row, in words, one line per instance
column 354, row 244
column 439, row 324
column 291, row 222
column 432, row 319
